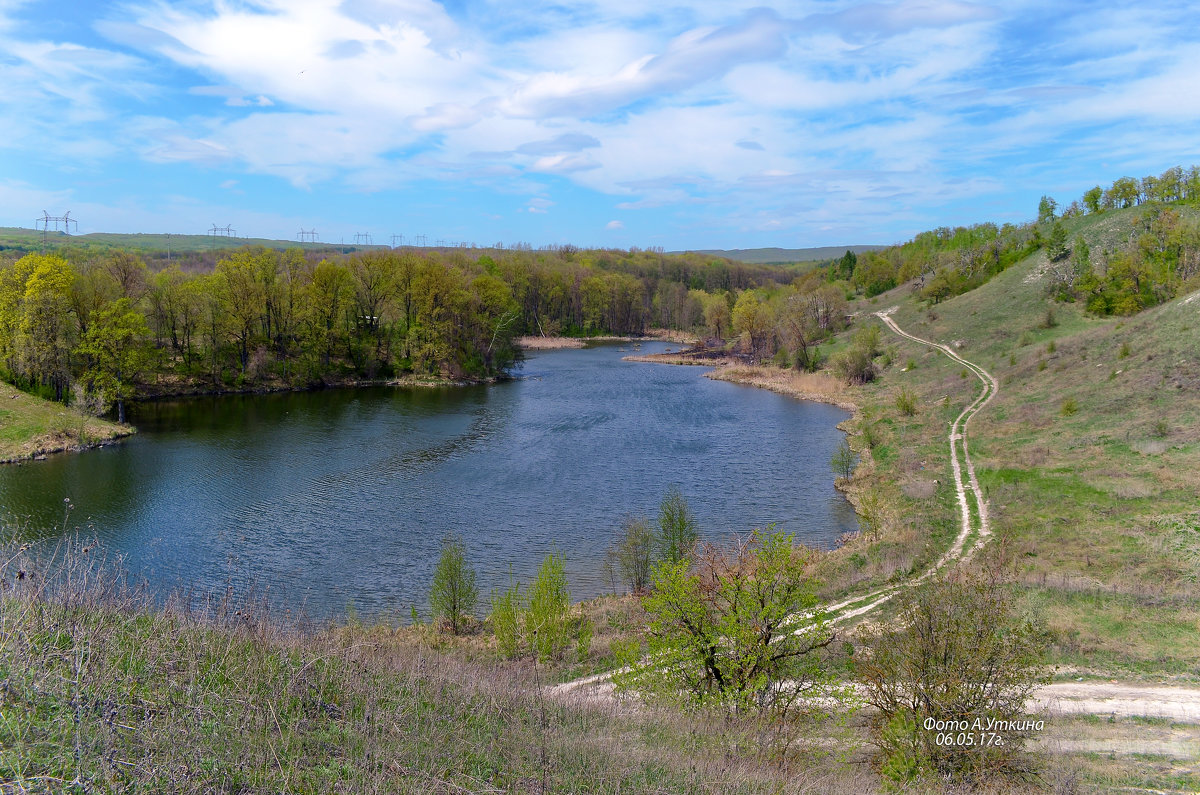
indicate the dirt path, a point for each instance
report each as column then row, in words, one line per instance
column 960, row 460
column 1060, row 698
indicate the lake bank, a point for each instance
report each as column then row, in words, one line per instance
column 31, row 427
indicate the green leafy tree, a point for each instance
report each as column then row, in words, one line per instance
column 453, row 594
column 677, row 531
column 632, row 552
column 1092, row 199
column 741, row 630
column 1056, row 244
column 115, row 346
column 1046, row 208
column 845, row 266
column 959, row 651
column 549, row 602
column 843, row 461
column 507, row 610
column 36, row 312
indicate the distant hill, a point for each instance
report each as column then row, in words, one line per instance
column 784, row 256
column 23, row 239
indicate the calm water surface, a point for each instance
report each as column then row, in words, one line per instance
column 338, row 499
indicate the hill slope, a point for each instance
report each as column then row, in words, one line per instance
column 1089, row 454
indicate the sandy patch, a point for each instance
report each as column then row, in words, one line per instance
column 548, row 343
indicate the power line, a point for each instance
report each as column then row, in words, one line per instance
column 307, row 236
column 362, row 239
column 220, row 231
column 66, row 220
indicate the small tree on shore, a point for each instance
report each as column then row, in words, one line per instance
column 843, row 461
column 632, row 552
column 677, row 533
column 453, row 594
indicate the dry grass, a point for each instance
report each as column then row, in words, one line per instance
column 821, row 387
column 535, row 343
column 102, row 691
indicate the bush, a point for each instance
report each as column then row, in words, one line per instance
column 959, row 651
column 1069, row 407
column 854, row 366
column 507, row 609
column 741, row 631
column 632, row 553
column 869, row 433
column 906, row 402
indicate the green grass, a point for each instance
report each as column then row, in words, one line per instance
column 30, row 425
column 1090, row 462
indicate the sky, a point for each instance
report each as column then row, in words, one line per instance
column 619, row 123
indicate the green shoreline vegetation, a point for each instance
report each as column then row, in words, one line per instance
column 1087, row 454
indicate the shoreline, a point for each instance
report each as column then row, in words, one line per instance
column 817, row 387
column 40, row 451
column 533, row 342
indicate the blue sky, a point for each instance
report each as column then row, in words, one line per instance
column 619, row 123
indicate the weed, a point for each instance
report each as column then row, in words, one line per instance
column 1069, row 407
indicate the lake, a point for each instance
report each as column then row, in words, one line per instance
column 337, row 499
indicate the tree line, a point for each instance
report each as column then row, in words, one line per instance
column 106, row 328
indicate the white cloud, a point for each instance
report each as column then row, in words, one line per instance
column 614, row 226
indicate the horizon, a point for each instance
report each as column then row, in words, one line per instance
column 710, row 127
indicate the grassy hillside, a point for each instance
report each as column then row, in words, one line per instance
column 1089, row 456
column 24, row 240
column 785, row 256
column 31, row 426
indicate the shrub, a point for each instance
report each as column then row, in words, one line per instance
column 507, row 609
column 906, row 402
column 1124, row 351
column 854, row 366
column 632, row 553
column 958, row 651
column 869, row 433
column 741, row 631
column 1069, row 407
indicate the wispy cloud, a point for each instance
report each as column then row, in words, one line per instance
column 868, row 119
